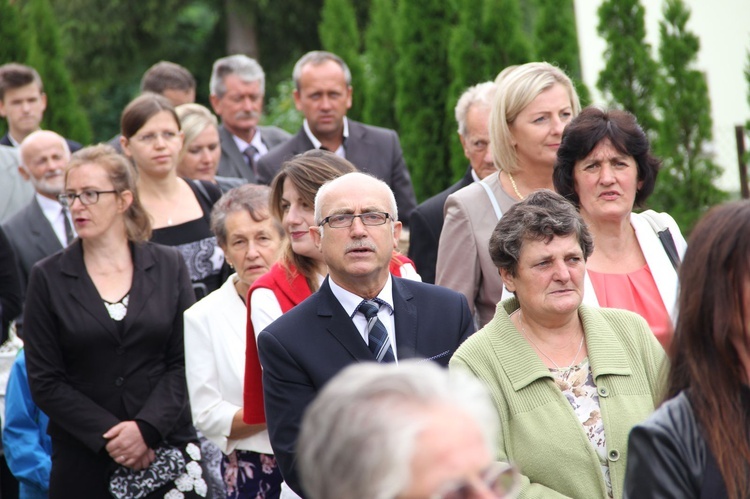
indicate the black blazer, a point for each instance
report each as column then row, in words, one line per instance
column 425, row 226
column 85, row 374
column 308, row 345
column 72, row 144
column 371, row 149
column 10, row 287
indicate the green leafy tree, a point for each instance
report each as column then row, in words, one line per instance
column 556, row 40
column 339, row 34
column 482, row 43
column 64, row 114
column 629, row 77
column 422, row 81
column 685, row 187
column 380, row 57
column 281, row 110
column 15, row 42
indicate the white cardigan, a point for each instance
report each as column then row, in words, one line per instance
column 215, row 339
column 658, row 262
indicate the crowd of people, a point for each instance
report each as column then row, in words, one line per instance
column 209, row 307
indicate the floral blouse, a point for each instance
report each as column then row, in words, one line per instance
column 577, row 384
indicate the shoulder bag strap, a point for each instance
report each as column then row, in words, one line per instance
column 664, row 235
column 491, row 195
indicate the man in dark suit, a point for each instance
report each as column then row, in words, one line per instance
column 426, row 222
column 237, row 90
column 42, row 227
column 360, row 314
column 22, row 103
column 323, row 94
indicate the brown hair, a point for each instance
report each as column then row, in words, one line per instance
column 14, row 75
column 143, row 108
column 307, row 172
column 122, row 175
column 587, row 130
column 713, row 278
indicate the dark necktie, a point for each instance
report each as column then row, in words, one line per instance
column 250, row 155
column 69, row 234
column 377, row 334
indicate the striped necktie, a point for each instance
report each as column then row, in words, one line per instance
column 377, row 334
column 69, row 234
column 250, row 155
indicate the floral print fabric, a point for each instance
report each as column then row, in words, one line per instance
column 251, row 475
column 577, row 385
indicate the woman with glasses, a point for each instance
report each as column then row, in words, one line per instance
column 104, row 345
column 180, row 209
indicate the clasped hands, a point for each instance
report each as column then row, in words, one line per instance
column 127, row 447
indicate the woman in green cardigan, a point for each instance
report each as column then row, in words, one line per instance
column 569, row 381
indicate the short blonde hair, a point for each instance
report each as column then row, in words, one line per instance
column 194, row 118
column 516, row 90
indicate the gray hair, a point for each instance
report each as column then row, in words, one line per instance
column 517, row 88
column 478, row 95
column 540, row 217
column 245, row 68
column 32, row 137
column 316, row 58
column 251, row 198
column 365, row 423
column 365, row 176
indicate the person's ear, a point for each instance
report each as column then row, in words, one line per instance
column 508, row 280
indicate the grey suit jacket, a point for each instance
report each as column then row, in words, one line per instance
column 15, row 192
column 232, row 163
column 463, row 261
column 32, row 238
column 372, row 149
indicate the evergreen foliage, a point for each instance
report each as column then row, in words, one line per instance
column 64, row 114
column 556, row 41
column 380, row 57
column 482, row 43
column 422, row 82
column 339, row 34
column 15, row 42
column 629, row 77
column 685, row 187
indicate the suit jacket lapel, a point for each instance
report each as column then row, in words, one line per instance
column 82, row 289
column 143, row 283
column 237, row 160
column 340, row 325
column 405, row 320
column 356, row 148
column 42, row 232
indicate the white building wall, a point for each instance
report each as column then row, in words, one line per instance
column 723, row 27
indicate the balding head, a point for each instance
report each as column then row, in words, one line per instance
column 44, row 155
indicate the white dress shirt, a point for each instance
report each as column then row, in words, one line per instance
column 256, row 142
column 317, row 144
column 53, row 211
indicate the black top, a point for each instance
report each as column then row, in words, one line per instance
column 196, row 242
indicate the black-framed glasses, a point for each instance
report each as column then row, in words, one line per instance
column 345, row 220
column 87, row 197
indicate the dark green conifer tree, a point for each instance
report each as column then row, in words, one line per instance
column 15, row 41
column 339, row 34
column 380, row 57
column 685, row 186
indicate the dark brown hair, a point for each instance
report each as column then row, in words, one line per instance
column 14, row 75
column 143, row 108
column 122, row 175
column 165, row 75
column 714, row 276
column 307, row 172
column 589, row 128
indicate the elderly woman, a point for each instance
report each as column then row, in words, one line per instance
column 568, row 380
column 697, row 444
column 532, row 105
column 104, row 345
column 605, row 167
column 201, row 147
column 215, row 343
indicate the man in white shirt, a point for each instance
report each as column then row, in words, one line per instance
column 43, row 227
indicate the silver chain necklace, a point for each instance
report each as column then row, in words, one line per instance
column 564, row 369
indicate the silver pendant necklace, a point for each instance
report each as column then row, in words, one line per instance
column 563, row 369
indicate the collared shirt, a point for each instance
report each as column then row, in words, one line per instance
column 256, row 142
column 53, row 212
column 349, row 301
column 316, row 143
column 13, row 142
column 475, row 176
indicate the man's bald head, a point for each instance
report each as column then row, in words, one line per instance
column 44, row 155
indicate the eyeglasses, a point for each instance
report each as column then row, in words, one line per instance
column 150, row 138
column 500, row 479
column 86, row 197
column 343, row 221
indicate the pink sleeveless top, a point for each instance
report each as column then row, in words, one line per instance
column 637, row 292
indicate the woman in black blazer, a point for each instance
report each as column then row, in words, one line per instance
column 104, row 345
